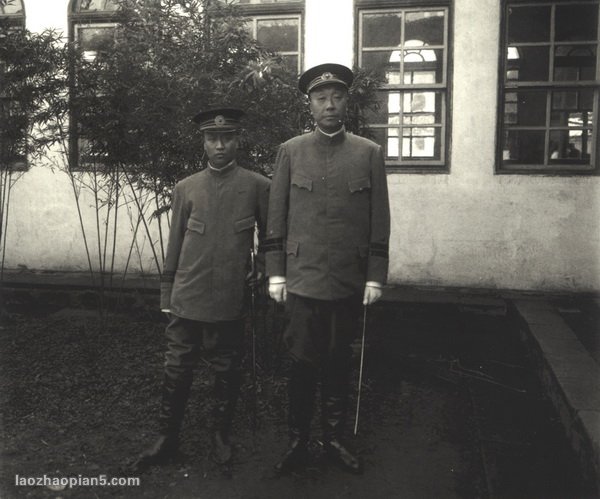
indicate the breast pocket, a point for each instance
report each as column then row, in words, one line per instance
column 360, row 184
column 196, row 226
column 302, row 182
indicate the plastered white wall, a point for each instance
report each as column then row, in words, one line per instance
column 466, row 228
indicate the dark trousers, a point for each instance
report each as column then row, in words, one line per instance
column 318, row 337
column 220, row 344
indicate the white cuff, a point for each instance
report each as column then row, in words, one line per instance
column 374, row 284
column 277, row 279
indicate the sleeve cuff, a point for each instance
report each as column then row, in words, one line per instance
column 374, row 284
column 277, row 279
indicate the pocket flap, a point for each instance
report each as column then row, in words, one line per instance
column 291, row 248
column 195, row 225
column 302, row 181
column 359, row 184
column 363, row 251
column 245, row 223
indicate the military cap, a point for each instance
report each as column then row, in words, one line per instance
column 325, row 74
column 219, row 119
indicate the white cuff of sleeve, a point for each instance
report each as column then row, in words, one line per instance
column 374, row 284
column 277, row 279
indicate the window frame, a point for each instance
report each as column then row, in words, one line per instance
column 548, row 87
column 259, row 11
column 435, row 166
column 255, row 18
column 15, row 22
column 96, row 18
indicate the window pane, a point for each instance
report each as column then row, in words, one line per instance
column 381, row 30
column 524, row 146
column 427, row 27
column 89, row 5
column 421, row 143
column 12, row 7
column 13, row 130
column 528, row 109
column 529, row 24
column 574, row 63
column 94, row 39
column 389, row 102
column 389, row 140
column 386, row 63
column 291, row 62
column 570, row 146
column 280, row 35
column 422, row 106
column 572, row 108
column 527, row 63
column 423, row 66
column 576, row 22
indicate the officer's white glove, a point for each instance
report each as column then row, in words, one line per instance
column 278, row 288
column 373, row 292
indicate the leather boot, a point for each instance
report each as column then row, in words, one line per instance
column 176, row 389
column 227, row 389
column 334, row 408
column 301, row 389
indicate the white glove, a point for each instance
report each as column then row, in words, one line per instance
column 373, row 292
column 278, row 288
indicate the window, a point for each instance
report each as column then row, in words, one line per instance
column 92, row 24
column 277, row 26
column 549, row 94
column 408, row 47
column 13, row 145
column 281, row 35
column 12, row 11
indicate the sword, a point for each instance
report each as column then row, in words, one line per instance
column 360, row 373
column 253, row 319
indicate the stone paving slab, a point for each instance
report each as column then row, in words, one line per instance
column 571, row 378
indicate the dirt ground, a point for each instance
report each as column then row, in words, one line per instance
column 79, row 398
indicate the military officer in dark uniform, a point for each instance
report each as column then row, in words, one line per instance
column 214, row 213
column 327, row 252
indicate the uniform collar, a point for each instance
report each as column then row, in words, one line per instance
column 229, row 167
column 330, row 138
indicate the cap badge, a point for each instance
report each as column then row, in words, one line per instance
column 327, row 75
column 220, row 120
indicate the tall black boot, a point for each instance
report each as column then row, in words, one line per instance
column 301, row 388
column 334, row 409
column 176, row 389
column 227, row 390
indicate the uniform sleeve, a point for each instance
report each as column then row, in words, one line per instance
column 264, row 187
column 277, row 217
column 380, row 221
column 176, row 234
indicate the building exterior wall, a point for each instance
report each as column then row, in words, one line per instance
column 469, row 227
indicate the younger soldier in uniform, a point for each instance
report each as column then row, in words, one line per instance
column 327, row 251
column 214, row 213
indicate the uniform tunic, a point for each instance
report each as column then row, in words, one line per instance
column 212, row 230
column 329, row 221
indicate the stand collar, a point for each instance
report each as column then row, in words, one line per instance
column 330, row 138
column 228, row 168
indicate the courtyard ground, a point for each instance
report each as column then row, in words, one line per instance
column 451, row 408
